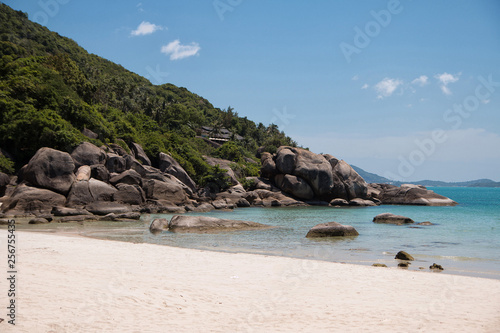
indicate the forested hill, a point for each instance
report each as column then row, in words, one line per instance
column 51, row 89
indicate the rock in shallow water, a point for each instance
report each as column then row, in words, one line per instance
column 206, row 224
column 38, row 220
column 402, row 255
column 436, row 267
column 331, row 229
column 158, row 225
column 392, row 219
column 379, row 265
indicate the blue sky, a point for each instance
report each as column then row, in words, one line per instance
column 406, row 89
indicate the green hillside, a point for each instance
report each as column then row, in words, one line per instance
column 51, row 89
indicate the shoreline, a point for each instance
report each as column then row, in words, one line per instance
column 480, row 266
column 85, row 284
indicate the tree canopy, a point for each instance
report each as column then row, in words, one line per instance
column 51, row 89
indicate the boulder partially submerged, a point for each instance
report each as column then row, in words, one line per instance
column 392, row 219
column 408, row 194
column 331, row 229
column 158, row 225
column 403, row 255
column 207, row 224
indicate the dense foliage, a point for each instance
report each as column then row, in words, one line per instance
column 51, row 89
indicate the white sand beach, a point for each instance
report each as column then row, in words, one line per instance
column 75, row 284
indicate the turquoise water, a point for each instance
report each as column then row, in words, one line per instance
column 464, row 240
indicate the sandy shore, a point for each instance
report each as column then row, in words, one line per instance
column 74, row 284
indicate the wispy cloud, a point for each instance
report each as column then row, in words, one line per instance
column 386, row 87
column 422, row 80
column 365, row 86
column 146, row 28
column 178, row 51
column 355, row 78
column 446, row 79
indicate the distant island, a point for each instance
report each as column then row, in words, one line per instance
column 374, row 178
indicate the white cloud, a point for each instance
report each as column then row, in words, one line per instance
column 178, row 51
column 355, row 78
column 386, row 87
column 421, row 80
column 365, row 86
column 146, row 28
column 446, row 79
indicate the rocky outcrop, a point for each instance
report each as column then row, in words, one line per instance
column 312, row 168
column 206, row 224
column 310, row 176
column 338, row 202
column 32, row 200
column 436, row 267
column 297, row 172
column 93, row 175
column 99, row 172
column 268, row 169
column 100, row 190
column 129, row 194
column 347, row 182
column 4, row 181
column 267, row 198
column 223, row 164
column 107, row 179
column 361, row 202
column 158, row 225
column 130, row 177
column 402, row 255
column 83, row 173
column 169, row 190
column 67, row 211
column 331, row 229
column 392, row 219
column 115, row 163
column 51, row 169
column 79, row 195
column 90, row 134
column 139, row 154
column 88, row 154
column 169, row 165
column 408, row 194
column 105, row 208
column 295, row 186
column 38, row 220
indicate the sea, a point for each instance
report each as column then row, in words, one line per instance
column 463, row 239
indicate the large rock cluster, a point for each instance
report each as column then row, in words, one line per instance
column 315, row 177
column 97, row 181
